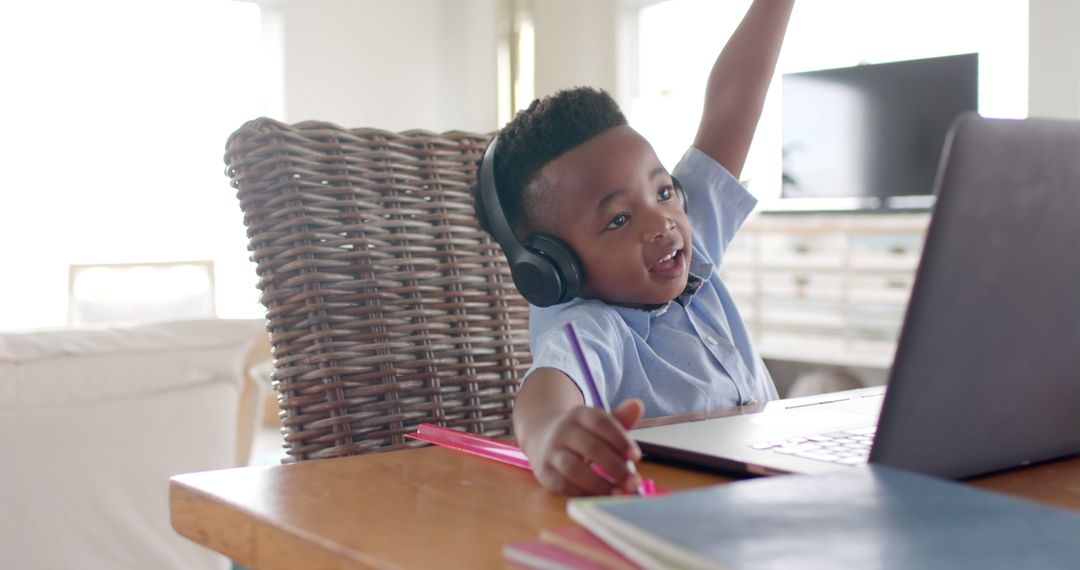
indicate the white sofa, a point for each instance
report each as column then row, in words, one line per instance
column 95, row 421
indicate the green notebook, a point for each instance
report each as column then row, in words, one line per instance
column 866, row 518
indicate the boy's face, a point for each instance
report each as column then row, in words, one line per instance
column 615, row 205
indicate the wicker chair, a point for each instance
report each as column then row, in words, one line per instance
column 386, row 305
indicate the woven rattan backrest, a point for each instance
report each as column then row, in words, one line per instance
column 387, row 306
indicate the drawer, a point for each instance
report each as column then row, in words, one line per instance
column 744, row 298
column 899, row 251
column 825, row 250
column 737, row 277
column 883, row 288
column 802, row 285
column 802, row 314
column 741, row 285
column 887, row 334
column 867, row 320
column 742, row 249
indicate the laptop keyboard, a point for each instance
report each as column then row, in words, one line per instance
column 850, row 447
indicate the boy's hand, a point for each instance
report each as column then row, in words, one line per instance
column 561, row 453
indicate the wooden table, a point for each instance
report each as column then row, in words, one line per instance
column 426, row 508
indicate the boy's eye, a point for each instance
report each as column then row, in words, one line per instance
column 665, row 193
column 619, row 220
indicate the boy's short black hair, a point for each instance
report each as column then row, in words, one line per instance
column 547, row 129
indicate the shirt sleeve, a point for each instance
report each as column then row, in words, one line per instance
column 718, row 203
column 600, row 342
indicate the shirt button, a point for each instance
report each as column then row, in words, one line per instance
column 711, row 339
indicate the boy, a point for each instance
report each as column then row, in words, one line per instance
column 659, row 330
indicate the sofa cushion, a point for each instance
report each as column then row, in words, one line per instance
column 116, row 362
column 97, row 420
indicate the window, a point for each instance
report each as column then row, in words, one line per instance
column 116, row 114
column 675, row 42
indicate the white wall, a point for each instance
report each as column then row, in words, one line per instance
column 400, row 64
column 431, row 63
column 392, row 64
column 115, row 116
column 1054, row 59
column 575, row 44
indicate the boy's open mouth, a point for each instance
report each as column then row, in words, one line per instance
column 669, row 266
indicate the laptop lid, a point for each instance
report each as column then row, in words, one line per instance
column 987, row 369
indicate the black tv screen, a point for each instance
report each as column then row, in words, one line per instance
column 872, row 131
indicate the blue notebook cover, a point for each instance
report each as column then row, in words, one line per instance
column 868, row 517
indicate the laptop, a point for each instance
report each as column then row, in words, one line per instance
column 987, row 369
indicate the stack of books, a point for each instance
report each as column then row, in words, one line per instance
column 865, row 517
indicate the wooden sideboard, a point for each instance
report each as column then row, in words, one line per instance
column 825, row 288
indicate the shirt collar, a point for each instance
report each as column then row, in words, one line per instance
column 640, row 319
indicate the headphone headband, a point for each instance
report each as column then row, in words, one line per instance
column 545, row 270
column 493, row 211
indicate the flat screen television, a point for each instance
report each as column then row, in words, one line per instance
column 872, row 133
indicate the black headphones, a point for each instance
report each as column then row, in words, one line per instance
column 546, row 271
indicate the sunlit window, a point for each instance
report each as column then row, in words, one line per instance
column 678, row 40
column 115, row 116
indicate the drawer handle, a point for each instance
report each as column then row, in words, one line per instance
column 802, row 248
column 802, row 280
column 896, row 284
column 898, row 250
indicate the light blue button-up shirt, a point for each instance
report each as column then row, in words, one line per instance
column 692, row 354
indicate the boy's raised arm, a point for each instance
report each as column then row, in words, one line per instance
column 737, row 84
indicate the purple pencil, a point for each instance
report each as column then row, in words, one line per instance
column 571, row 332
column 598, row 400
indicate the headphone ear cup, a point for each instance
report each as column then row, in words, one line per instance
column 680, row 193
column 565, row 263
